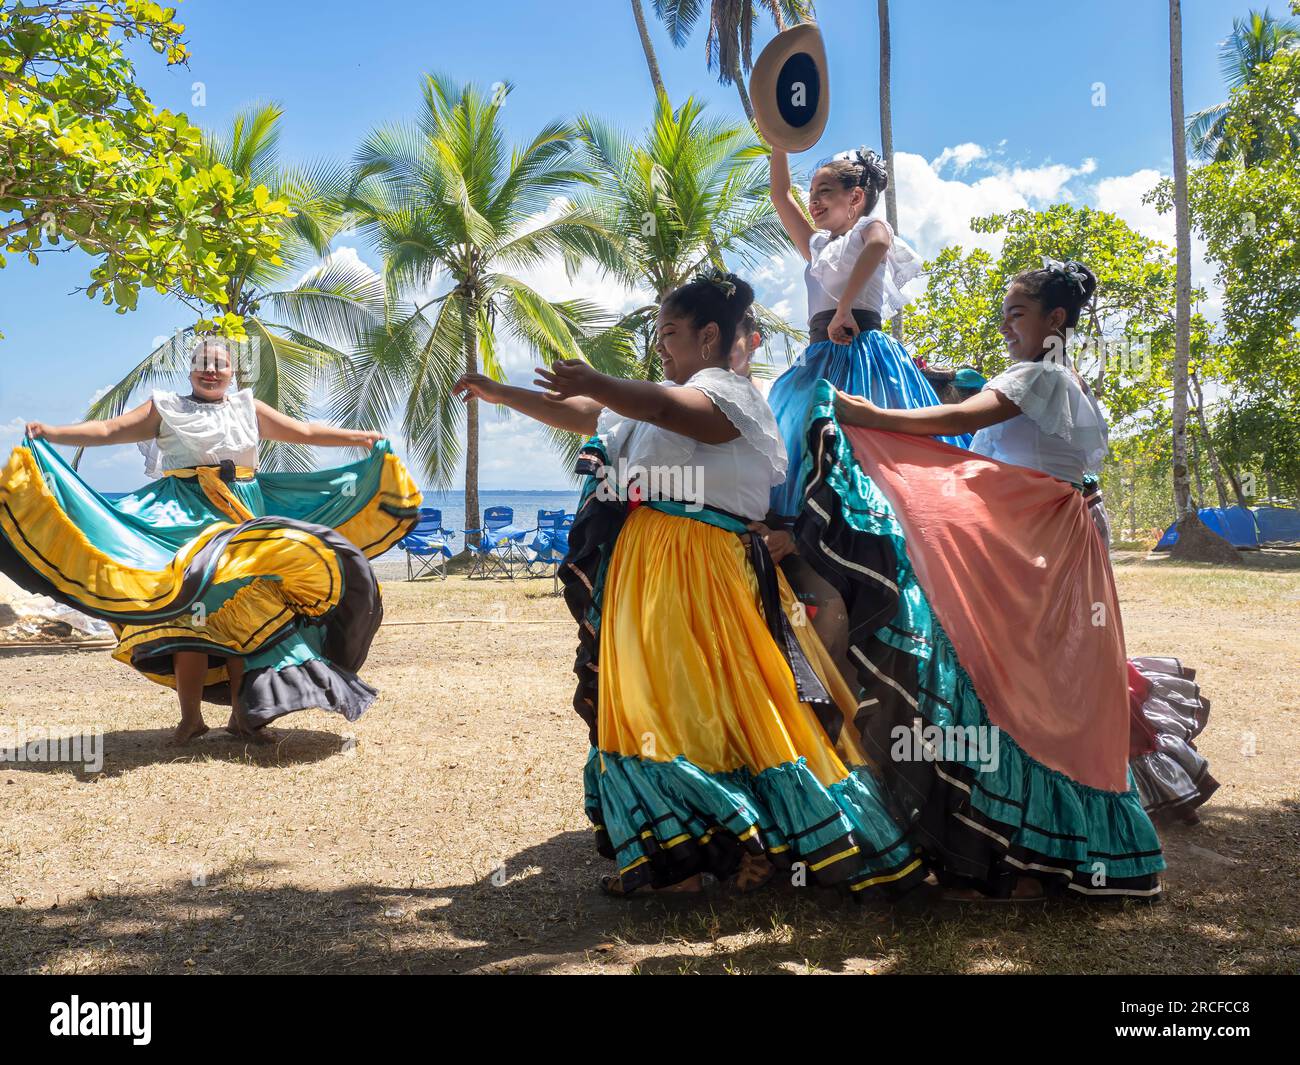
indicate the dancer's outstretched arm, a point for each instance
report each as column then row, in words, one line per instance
column 132, row 427
column 949, row 419
column 272, row 425
column 788, row 208
column 576, row 414
column 687, row 411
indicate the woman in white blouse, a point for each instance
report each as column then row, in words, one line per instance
column 716, row 721
column 1040, row 414
column 192, row 435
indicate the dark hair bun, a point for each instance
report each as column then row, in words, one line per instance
column 1068, row 285
column 714, row 296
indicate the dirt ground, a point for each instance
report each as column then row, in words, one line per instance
column 444, row 831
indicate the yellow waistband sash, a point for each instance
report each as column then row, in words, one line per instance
column 217, row 491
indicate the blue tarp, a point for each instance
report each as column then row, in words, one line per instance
column 1278, row 525
column 1235, row 524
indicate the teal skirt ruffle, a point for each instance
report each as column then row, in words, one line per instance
column 663, row 821
column 984, row 812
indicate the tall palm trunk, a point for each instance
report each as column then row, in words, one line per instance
column 739, row 79
column 1183, row 306
column 648, row 46
column 469, row 312
column 887, row 136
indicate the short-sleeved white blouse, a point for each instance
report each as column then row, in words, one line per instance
column 1060, row 429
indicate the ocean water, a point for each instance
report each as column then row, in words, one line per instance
column 525, row 503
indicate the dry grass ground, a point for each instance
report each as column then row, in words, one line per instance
column 444, row 832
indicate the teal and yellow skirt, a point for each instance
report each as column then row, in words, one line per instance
column 703, row 749
column 270, row 567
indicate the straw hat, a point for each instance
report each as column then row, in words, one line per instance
column 789, row 89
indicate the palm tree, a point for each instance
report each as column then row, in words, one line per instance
column 638, row 13
column 729, row 46
column 689, row 191
column 456, row 215
column 1254, row 40
column 301, row 313
column 887, row 135
column 1183, row 297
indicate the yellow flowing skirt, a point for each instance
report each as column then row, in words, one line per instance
column 704, row 748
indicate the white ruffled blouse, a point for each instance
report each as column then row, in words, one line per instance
column 832, row 260
column 194, row 433
column 737, row 476
column 1060, row 429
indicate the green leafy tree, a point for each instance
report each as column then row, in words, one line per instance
column 86, row 160
column 1248, row 214
column 302, row 316
column 1123, row 341
column 457, row 216
column 956, row 319
column 1254, row 41
column 690, row 190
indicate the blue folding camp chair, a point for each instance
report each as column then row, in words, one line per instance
column 426, row 546
column 546, row 559
column 499, row 549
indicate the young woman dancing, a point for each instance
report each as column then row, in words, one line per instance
column 717, row 724
column 223, row 582
column 984, row 607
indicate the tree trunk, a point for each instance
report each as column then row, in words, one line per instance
column 1211, row 453
column 1132, row 503
column 469, row 313
column 739, row 79
column 1196, row 470
column 648, row 46
column 887, row 139
column 1183, row 307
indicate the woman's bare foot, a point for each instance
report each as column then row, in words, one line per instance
column 237, row 726
column 186, row 731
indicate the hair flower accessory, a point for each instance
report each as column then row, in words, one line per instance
column 1071, row 270
column 719, row 279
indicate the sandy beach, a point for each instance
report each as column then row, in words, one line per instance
column 444, row 831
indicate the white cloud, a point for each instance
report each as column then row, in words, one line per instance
column 346, row 256
column 11, row 435
column 1123, row 195
column 961, row 156
column 938, row 198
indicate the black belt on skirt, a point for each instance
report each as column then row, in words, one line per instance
column 818, row 323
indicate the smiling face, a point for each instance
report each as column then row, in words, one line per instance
column 1026, row 327
column 832, row 206
column 210, row 371
column 683, row 349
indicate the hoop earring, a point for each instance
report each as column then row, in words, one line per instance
column 707, row 353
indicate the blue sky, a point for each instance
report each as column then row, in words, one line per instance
column 994, row 107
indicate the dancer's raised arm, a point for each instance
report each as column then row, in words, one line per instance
column 788, row 207
column 576, row 414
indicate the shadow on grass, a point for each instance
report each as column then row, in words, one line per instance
column 124, row 750
column 1271, row 560
column 542, row 911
